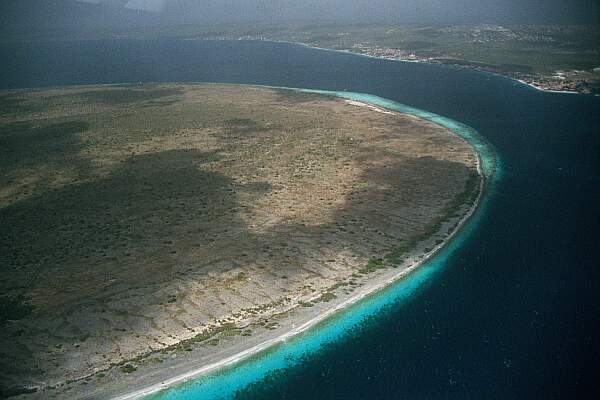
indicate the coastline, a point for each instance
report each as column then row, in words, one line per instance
column 531, row 85
column 365, row 292
column 521, row 81
column 417, row 256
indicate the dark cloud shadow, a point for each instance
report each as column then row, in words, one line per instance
column 54, row 144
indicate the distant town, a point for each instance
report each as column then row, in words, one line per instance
column 563, row 81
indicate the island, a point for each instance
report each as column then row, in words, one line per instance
column 148, row 231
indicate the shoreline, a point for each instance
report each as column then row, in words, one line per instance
column 415, row 259
column 530, row 85
column 307, row 45
column 521, row 81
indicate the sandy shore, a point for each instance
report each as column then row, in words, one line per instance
column 305, row 320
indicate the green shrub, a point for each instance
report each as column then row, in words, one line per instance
column 128, row 368
column 373, row 265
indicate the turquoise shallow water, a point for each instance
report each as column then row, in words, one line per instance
column 225, row 383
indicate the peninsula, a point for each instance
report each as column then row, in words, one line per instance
column 150, row 230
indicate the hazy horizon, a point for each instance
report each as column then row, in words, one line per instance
column 24, row 16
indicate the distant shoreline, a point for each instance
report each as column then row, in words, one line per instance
column 418, row 256
column 531, row 85
column 455, row 66
column 521, row 81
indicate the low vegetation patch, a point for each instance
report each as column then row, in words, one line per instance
column 325, row 297
column 128, row 368
column 373, row 265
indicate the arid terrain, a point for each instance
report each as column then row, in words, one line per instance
column 144, row 224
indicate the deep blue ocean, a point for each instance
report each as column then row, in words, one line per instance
column 514, row 311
